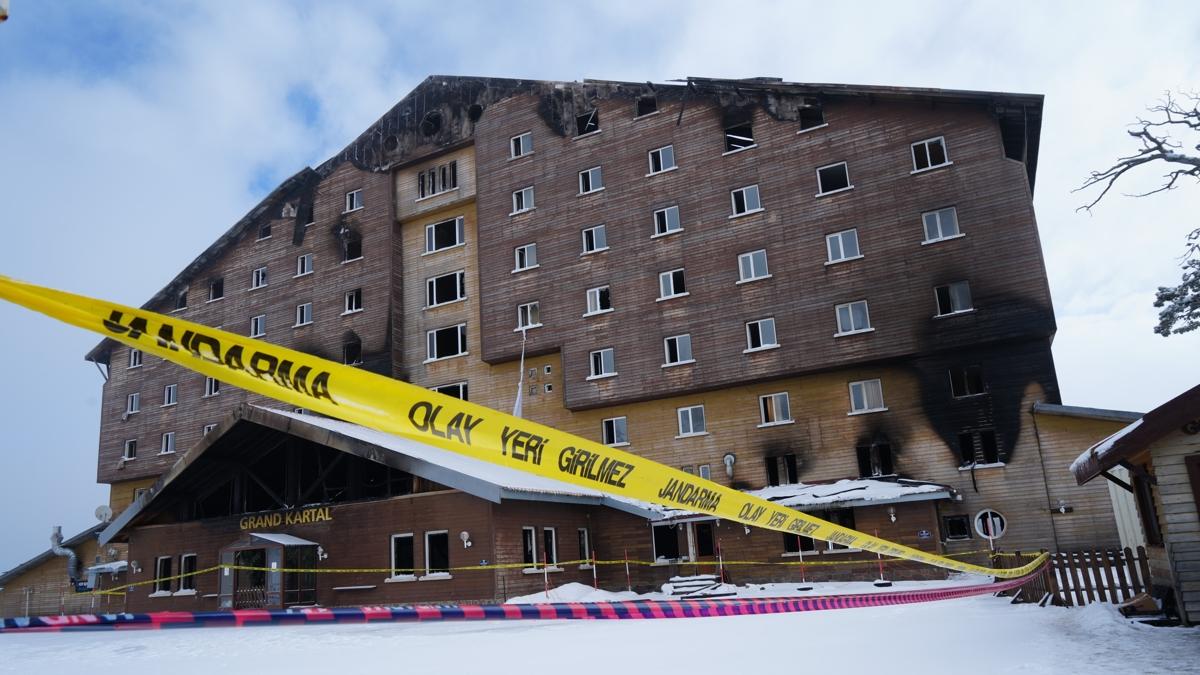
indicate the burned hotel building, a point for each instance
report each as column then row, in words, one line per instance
column 833, row 296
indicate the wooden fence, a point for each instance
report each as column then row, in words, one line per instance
column 1083, row 577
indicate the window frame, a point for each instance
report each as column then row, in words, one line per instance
column 744, row 191
column 865, row 397
column 821, row 191
column 550, row 547
column 774, row 399
column 688, row 410
column 532, row 246
column 130, row 444
column 532, row 547
column 187, row 583
column 749, row 256
column 937, row 213
column 216, row 289
column 527, row 204
column 732, row 140
column 593, row 230
column 212, row 387
column 663, row 168
column 593, row 175
column 530, row 309
column 750, row 348
column 621, row 422
column 841, row 330
column 966, row 381
column 460, row 235
column 259, row 278
column 133, row 403
column 353, row 201
column 460, row 288
column 950, row 296
column 162, row 581
column 666, row 210
column 352, row 302
column 431, row 342
column 941, row 140
column 667, row 362
column 976, row 522
column 304, row 315
column 170, row 395
column 518, row 143
column 585, row 547
column 592, row 363
column 304, row 265
column 598, row 293
column 136, row 358
column 462, row 387
column 412, row 572
column 207, row 429
column 841, row 243
column 675, row 293
column 429, row 573
column 167, row 443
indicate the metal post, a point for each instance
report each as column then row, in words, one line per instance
column 720, row 562
column 546, row 573
column 595, row 583
column 800, row 552
column 628, row 583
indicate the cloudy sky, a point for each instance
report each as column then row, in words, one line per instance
column 133, row 134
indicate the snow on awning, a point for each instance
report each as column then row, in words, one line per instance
column 109, row 567
column 284, row 539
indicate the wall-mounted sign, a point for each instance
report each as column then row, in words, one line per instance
column 924, row 534
column 318, row 514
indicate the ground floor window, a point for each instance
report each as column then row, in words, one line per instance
column 402, row 555
column 550, row 545
column 956, row 527
column 706, row 539
column 187, row 568
column 990, row 524
column 162, row 574
column 437, row 552
column 585, row 546
column 797, row 544
column 529, row 546
column 666, row 542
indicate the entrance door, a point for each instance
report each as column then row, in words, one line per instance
column 702, row 540
column 250, row 586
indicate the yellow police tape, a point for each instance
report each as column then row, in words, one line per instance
column 406, row 410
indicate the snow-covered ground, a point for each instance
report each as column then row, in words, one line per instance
column 576, row 592
column 977, row 635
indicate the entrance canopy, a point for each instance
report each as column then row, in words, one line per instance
column 282, row 539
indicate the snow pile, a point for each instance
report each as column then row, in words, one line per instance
column 847, row 490
column 573, row 592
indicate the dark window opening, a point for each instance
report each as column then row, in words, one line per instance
column 966, row 449
column 791, row 543
column 457, row 390
column 875, row 460
column 988, row 447
column 549, row 546
column 352, row 351
column 529, row 546
column 831, row 178
column 446, row 288
column 956, row 527
column 966, row 381
column 187, row 571
column 843, row 517
column 646, row 105
column 1143, row 492
column 705, row 540
column 216, row 289
column 352, row 247
column 782, row 470
column 437, row 552
column 953, row 298
column 264, row 230
column 811, row 117
column 587, row 122
column 181, row 300
column 162, row 570
column 402, row 555
column 443, row 235
column 446, row 342
column 666, row 542
column 739, row 136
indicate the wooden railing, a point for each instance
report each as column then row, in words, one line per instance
column 1082, row 577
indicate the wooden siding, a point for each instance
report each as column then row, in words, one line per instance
column 1176, row 499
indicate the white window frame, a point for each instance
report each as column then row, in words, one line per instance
column 258, row 278
column 841, row 244
column 551, row 555
column 258, row 326
column 167, row 443
column 975, row 522
column 704, row 471
column 170, row 395
column 623, row 423
column 843, row 330
column 304, row 265
column 666, row 219
column 603, row 231
column 533, row 548
column 612, row 358
column 133, row 403
column 439, row 574
column 593, row 176
column 691, row 421
column 765, row 346
column 746, row 262
column 593, row 299
column 775, row 405
column 528, row 203
column 460, row 288
column 585, row 538
column 821, row 191
column 667, row 362
column 745, row 192
column 460, row 235
column 212, row 386
column 940, row 140
column 937, row 215
column 354, row 201
column 463, row 390
column 352, row 302
column 135, row 358
column 526, row 311
column 431, row 342
column 403, row 576
column 527, row 248
column 663, row 167
column 953, row 312
column 162, row 582
column 517, row 145
column 187, row 585
column 130, row 445
column 669, row 276
column 212, row 286
column 207, row 429
column 304, row 314
column 863, row 386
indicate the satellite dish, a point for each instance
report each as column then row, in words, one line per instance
column 104, row 513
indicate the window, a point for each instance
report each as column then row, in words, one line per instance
column 966, row 381
column 445, row 343
column 181, row 300
column 212, row 386
column 843, row 517
column 216, row 289
column 670, row 284
column 170, row 394
column 352, row 350
column 956, row 527
column 528, row 316
column 595, row 239
column 704, row 471
column 990, row 524
column 585, row 546
column 774, row 409
column 443, row 235
column 591, row 180
column 875, row 460
column 304, row 314
column 525, row 257
column 979, row 447
column 598, row 301
column 457, row 390
column 833, row 178
column 304, row 265
column 691, row 420
column 550, row 545
column 187, row 568
column 929, row 154
column 445, row 289
column 437, row 180
column 135, row 358
column 940, row 224
column 529, row 546
column 437, row 552
column 264, row 231
column 207, row 428
column 130, row 451
column 666, row 542
column 522, row 200
column 866, row 396
column 354, row 301
column 133, row 403
column 258, row 278
column 745, row 200
column 258, row 326
column 953, row 298
column 168, row 443
column 666, row 221
column 853, row 317
column 162, row 574
column 662, row 159
column 351, row 246
column 988, row 447
column 842, row 245
column 678, row 350
column 588, row 122
column 645, row 106
column 760, row 335
column 753, row 266
column 603, row 363
column 812, row 117
column 521, row 145
column 354, row 200
column 402, row 555
column 739, row 137
column 615, row 431
column 782, row 470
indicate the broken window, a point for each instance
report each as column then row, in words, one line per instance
column 929, row 154
column 444, row 343
column 258, row 278
column 529, row 315
column 437, row 552
column 443, row 235
column 745, row 200
column 940, row 224
column 521, row 145
column 402, row 555
column 264, row 231
column 666, row 221
column 529, row 546
column 457, row 390
column 670, row 284
column 354, row 301
column 603, row 363
column 866, row 396
column 811, row 117
column 352, row 350
column 522, row 200
column 585, row 546
column 595, row 239
column 833, row 178
column 739, row 137
column 162, row 574
column 956, row 527
column 181, row 300
column 446, row 288
column 678, row 349
column 598, row 300
column 615, row 431
column 662, row 159
column 207, row 428
column 216, row 289
column 843, row 517
column 966, row 381
column 953, row 298
column 875, row 460
column 666, row 542
column 351, row 246
column 760, row 334
column 588, row 122
column 437, row 180
column 645, row 106
column 774, row 409
column 782, row 470
column 591, row 180
column 979, row 447
column 525, row 257
column 966, row 449
column 706, row 545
